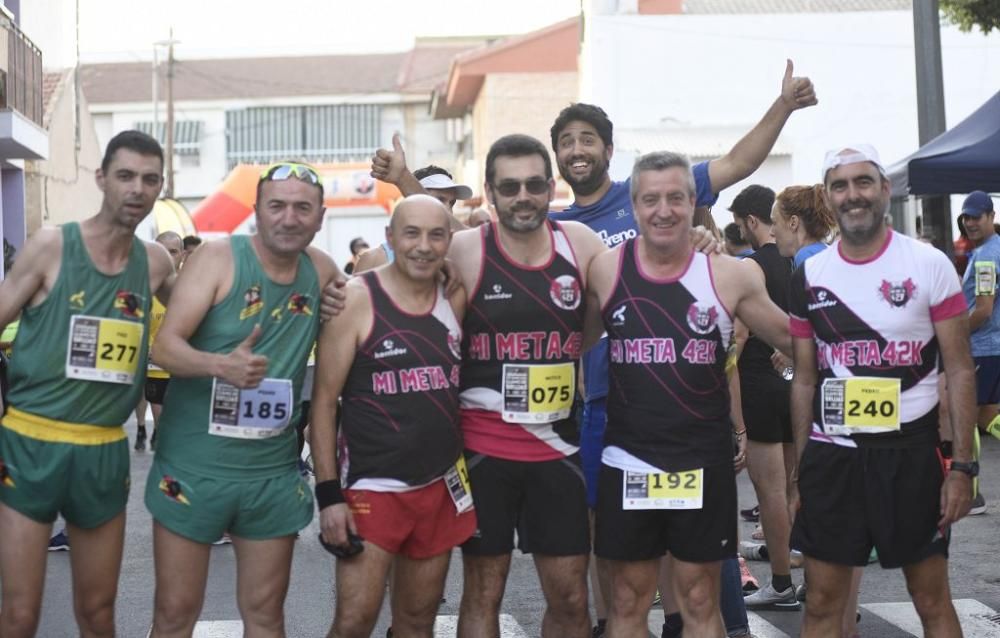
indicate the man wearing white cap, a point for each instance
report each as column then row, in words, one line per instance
column 390, row 166
column 869, row 319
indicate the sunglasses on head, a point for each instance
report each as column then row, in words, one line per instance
column 287, row 170
column 511, row 187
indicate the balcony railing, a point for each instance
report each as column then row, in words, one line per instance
column 21, row 85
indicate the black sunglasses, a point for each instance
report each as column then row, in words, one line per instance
column 511, row 187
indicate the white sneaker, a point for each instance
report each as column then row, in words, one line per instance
column 768, row 598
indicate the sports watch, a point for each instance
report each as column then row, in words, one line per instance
column 971, row 468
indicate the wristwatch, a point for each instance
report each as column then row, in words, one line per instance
column 971, row 468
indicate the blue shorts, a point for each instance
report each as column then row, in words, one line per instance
column 987, row 380
column 592, row 444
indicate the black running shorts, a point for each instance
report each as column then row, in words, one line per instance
column 694, row 536
column 155, row 390
column 545, row 502
column 766, row 410
column 854, row 498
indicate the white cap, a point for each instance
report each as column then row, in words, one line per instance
column 851, row 155
column 442, row 182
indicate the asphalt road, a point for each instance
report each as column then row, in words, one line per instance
column 885, row 610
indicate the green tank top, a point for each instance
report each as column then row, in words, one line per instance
column 95, row 375
column 216, row 433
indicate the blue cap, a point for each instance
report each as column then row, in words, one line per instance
column 976, row 204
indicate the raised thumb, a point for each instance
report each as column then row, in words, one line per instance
column 252, row 338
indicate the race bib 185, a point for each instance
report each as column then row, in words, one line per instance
column 253, row 413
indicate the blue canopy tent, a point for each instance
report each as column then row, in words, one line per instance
column 964, row 158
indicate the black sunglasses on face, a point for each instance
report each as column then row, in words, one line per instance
column 511, row 187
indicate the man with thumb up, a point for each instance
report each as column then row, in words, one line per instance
column 236, row 339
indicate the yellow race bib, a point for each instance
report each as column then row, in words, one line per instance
column 663, row 490
column 103, row 349
column 867, row 405
column 539, row 393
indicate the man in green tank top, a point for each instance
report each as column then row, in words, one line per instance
column 83, row 292
column 236, row 338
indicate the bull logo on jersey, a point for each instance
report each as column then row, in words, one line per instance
column 172, row 488
column 5, row 478
column 128, row 303
column 299, row 305
column 253, row 303
column 455, row 344
column 898, row 295
column 702, row 317
column 565, row 292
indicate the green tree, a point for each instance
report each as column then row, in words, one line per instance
column 968, row 14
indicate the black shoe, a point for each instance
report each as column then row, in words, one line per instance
column 140, row 438
column 152, row 442
column 751, row 515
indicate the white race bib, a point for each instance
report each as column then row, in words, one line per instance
column 253, row 413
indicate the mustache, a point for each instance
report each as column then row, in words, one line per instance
column 523, row 206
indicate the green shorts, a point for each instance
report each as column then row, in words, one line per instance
column 202, row 508
column 87, row 483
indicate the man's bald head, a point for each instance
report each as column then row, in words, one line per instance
column 174, row 244
column 421, row 206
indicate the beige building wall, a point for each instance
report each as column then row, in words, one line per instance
column 518, row 103
column 62, row 188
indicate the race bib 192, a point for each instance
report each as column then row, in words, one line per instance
column 663, row 490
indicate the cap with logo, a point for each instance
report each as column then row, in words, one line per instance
column 977, row 204
column 442, row 182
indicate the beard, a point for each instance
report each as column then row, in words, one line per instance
column 586, row 185
column 508, row 217
column 861, row 231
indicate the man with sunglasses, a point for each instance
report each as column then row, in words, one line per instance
column 236, row 339
column 83, row 293
column 524, row 277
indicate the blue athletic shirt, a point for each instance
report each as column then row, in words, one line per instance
column 985, row 341
column 611, row 218
column 806, row 252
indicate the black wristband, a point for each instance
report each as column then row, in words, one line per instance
column 328, row 493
